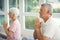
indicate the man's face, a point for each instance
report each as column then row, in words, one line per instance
column 43, row 11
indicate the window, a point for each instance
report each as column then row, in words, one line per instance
column 2, row 17
column 31, row 5
column 29, row 22
column 1, row 11
column 31, row 9
column 55, row 4
column 2, row 5
column 13, row 3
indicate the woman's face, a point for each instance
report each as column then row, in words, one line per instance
column 10, row 14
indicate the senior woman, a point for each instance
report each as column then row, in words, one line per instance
column 14, row 31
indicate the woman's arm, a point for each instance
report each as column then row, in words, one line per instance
column 8, row 32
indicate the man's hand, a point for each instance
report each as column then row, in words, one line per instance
column 37, row 24
column 35, row 35
column 4, row 24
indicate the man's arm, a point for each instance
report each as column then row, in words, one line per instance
column 35, row 35
column 38, row 31
column 40, row 36
column 46, row 38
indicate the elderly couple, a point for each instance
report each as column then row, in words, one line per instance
column 43, row 30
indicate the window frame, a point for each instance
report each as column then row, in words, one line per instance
column 34, row 14
column 30, row 13
column 47, row 2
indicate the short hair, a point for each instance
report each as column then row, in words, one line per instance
column 15, row 11
column 49, row 6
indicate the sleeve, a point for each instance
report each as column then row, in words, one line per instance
column 50, row 32
column 13, row 28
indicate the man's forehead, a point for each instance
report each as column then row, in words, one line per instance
column 43, row 7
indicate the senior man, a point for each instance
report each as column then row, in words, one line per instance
column 46, row 30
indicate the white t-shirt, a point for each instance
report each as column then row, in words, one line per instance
column 51, row 29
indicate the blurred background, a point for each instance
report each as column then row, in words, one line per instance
column 29, row 10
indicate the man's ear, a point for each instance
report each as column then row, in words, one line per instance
column 49, row 12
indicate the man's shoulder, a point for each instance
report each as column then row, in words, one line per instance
column 56, row 20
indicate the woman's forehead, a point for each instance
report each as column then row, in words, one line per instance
column 10, row 12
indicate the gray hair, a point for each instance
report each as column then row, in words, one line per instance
column 49, row 6
column 15, row 11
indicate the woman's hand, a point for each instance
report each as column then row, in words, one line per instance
column 4, row 24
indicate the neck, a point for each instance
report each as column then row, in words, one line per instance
column 45, row 19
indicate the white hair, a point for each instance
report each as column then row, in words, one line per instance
column 49, row 6
column 15, row 11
